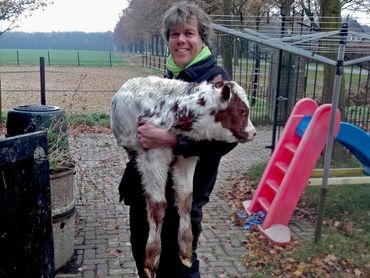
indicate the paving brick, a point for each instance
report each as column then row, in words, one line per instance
column 89, row 274
column 89, row 254
column 103, row 269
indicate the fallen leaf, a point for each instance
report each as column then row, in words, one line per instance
column 330, row 258
column 357, row 272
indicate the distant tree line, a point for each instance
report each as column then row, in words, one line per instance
column 58, row 40
column 141, row 21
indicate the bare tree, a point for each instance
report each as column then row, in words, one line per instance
column 11, row 10
column 141, row 21
column 238, row 7
column 312, row 8
column 211, row 6
column 330, row 9
column 355, row 5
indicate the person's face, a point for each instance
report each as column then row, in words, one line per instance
column 184, row 42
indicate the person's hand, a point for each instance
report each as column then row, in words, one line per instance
column 151, row 137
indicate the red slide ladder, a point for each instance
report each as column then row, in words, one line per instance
column 290, row 167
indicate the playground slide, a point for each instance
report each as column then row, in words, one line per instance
column 356, row 140
column 290, row 167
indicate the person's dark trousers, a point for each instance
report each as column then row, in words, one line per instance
column 139, row 230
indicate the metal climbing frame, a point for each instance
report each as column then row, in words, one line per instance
column 278, row 71
column 311, row 46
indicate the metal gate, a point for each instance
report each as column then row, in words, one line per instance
column 26, row 240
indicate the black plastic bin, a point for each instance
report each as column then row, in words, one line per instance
column 30, row 118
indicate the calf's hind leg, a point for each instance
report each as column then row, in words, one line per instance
column 155, row 215
column 183, row 173
column 153, row 165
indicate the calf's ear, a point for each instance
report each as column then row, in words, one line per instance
column 225, row 92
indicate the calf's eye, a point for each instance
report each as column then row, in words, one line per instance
column 242, row 112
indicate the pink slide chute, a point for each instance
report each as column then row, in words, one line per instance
column 290, row 167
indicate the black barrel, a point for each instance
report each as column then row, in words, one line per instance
column 29, row 118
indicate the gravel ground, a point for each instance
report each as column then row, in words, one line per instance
column 74, row 89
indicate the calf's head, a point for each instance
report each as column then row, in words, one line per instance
column 236, row 116
column 218, row 111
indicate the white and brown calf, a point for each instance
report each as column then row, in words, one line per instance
column 205, row 111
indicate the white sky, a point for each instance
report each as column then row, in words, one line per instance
column 82, row 15
column 74, row 15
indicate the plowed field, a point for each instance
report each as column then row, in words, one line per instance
column 74, row 89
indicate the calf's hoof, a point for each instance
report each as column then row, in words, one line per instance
column 149, row 273
column 186, row 261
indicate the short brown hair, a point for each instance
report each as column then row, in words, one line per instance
column 179, row 13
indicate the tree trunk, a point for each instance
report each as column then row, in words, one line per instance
column 330, row 9
column 283, row 71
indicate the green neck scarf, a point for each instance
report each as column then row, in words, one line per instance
column 172, row 67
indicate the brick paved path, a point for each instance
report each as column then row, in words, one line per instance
column 102, row 226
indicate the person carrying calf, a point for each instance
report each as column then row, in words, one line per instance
column 187, row 31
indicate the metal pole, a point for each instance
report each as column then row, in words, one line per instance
column 329, row 144
column 42, row 80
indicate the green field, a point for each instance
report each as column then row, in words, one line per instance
column 61, row 57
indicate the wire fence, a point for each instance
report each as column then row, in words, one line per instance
column 77, row 90
column 256, row 73
column 61, row 57
column 275, row 79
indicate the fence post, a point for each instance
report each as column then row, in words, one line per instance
column 110, row 58
column 78, row 58
column 42, row 80
column 17, row 57
column 48, row 57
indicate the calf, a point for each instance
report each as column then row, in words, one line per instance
column 205, row 111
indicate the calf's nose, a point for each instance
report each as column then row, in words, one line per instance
column 251, row 135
